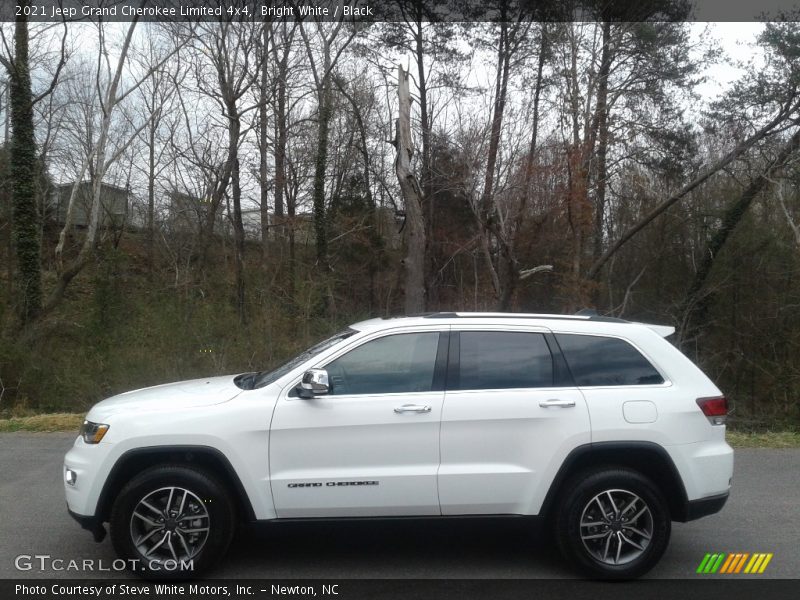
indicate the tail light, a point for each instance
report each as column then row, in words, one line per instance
column 715, row 409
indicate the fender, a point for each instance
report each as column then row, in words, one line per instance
column 633, row 454
column 133, row 461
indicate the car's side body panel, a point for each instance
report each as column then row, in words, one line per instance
column 500, row 448
column 238, row 429
column 488, row 451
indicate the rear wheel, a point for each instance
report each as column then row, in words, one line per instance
column 172, row 522
column 613, row 524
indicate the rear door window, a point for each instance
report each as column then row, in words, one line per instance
column 504, row 360
column 600, row 361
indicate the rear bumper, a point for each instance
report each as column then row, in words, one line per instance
column 703, row 507
column 92, row 524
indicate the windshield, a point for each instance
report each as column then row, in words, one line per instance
column 266, row 377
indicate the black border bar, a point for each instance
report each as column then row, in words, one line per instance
column 708, row 588
column 368, row 11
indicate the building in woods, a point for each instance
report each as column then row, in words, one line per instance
column 114, row 204
column 186, row 213
column 389, row 225
column 251, row 221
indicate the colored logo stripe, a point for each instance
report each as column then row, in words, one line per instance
column 727, row 564
column 734, row 563
column 703, row 563
column 765, row 563
column 740, row 564
column 711, row 563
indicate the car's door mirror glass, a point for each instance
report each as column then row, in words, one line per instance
column 314, row 383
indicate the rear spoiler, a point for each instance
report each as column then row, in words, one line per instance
column 662, row 330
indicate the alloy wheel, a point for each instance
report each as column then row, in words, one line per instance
column 616, row 527
column 170, row 523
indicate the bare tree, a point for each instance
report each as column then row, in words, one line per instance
column 413, row 200
column 323, row 54
column 232, row 48
column 696, row 303
column 158, row 103
column 101, row 156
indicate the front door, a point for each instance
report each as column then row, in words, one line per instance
column 371, row 446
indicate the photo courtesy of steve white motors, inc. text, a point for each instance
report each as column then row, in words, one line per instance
column 59, row 11
column 172, row 589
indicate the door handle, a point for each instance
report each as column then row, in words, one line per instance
column 417, row 408
column 556, row 402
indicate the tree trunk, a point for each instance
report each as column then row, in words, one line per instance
column 412, row 196
column 151, row 197
column 501, row 85
column 601, row 128
column 263, row 146
column 508, row 270
column 577, row 180
column 291, row 211
column 23, row 175
column 321, row 161
column 234, row 130
column 280, row 143
column 431, row 288
column 486, row 210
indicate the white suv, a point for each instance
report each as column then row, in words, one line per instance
column 598, row 424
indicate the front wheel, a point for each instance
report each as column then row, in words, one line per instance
column 613, row 524
column 172, row 522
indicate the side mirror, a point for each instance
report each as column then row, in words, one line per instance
column 314, row 383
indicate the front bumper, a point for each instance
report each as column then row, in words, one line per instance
column 89, row 464
column 92, row 524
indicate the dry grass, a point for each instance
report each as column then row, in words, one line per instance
column 767, row 439
column 72, row 422
column 43, row 423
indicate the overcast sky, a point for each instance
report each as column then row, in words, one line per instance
column 738, row 42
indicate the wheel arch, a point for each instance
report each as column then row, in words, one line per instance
column 648, row 458
column 207, row 458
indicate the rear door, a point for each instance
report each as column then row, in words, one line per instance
column 510, row 417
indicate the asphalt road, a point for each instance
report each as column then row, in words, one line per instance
column 763, row 515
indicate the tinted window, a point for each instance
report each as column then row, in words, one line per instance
column 503, row 360
column 392, row 364
column 267, row 377
column 596, row 360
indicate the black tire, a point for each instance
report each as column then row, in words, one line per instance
column 207, row 518
column 593, row 548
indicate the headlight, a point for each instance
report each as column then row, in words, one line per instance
column 93, row 432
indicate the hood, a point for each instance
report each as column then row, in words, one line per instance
column 169, row 397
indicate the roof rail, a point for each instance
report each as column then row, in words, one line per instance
column 586, row 314
column 595, row 316
column 582, row 316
